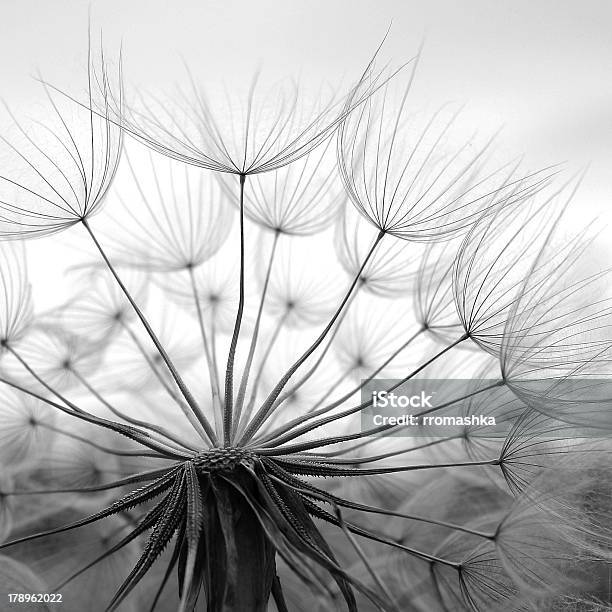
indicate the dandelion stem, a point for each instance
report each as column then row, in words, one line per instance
column 213, row 346
column 154, row 370
column 131, row 432
column 169, row 440
column 129, row 480
column 325, row 497
column 393, row 453
column 212, row 371
column 299, row 464
column 363, row 557
column 229, row 373
column 268, row 404
column 254, row 337
column 334, row 385
column 292, row 390
column 315, row 413
column 372, row 458
column 195, row 409
column 296, row 432
column 412, row 551
column 498, row 383
column 104, row 449
column 260, row 371
column 46, row 385
column 277, row 594
column 412, row 517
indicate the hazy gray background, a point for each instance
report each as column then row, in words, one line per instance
column 543, row 68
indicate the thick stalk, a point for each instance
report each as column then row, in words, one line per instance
column 238, row 556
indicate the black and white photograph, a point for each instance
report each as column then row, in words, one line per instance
column 305, row 306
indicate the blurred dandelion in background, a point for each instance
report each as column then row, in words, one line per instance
column 184, row 430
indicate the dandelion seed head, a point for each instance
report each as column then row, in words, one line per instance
column 301, row 199
column 207, row 445
column 497, row 257
column 249, row 132
column 392, row 270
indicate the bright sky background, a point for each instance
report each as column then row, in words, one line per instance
column 542, row 68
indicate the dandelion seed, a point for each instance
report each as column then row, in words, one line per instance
column 497, row 256
column 59, row 357
column 16, row 305
column 132, row 361
column 300, row 199
column 67, row 162
column 98, row 314
column 297, row 293
column 215, row 287
column 404, row 173
column 390, row 272
column 170, row 217
column 434, row 302
column 244, row 134
column 368, row 336
column 26, row 429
